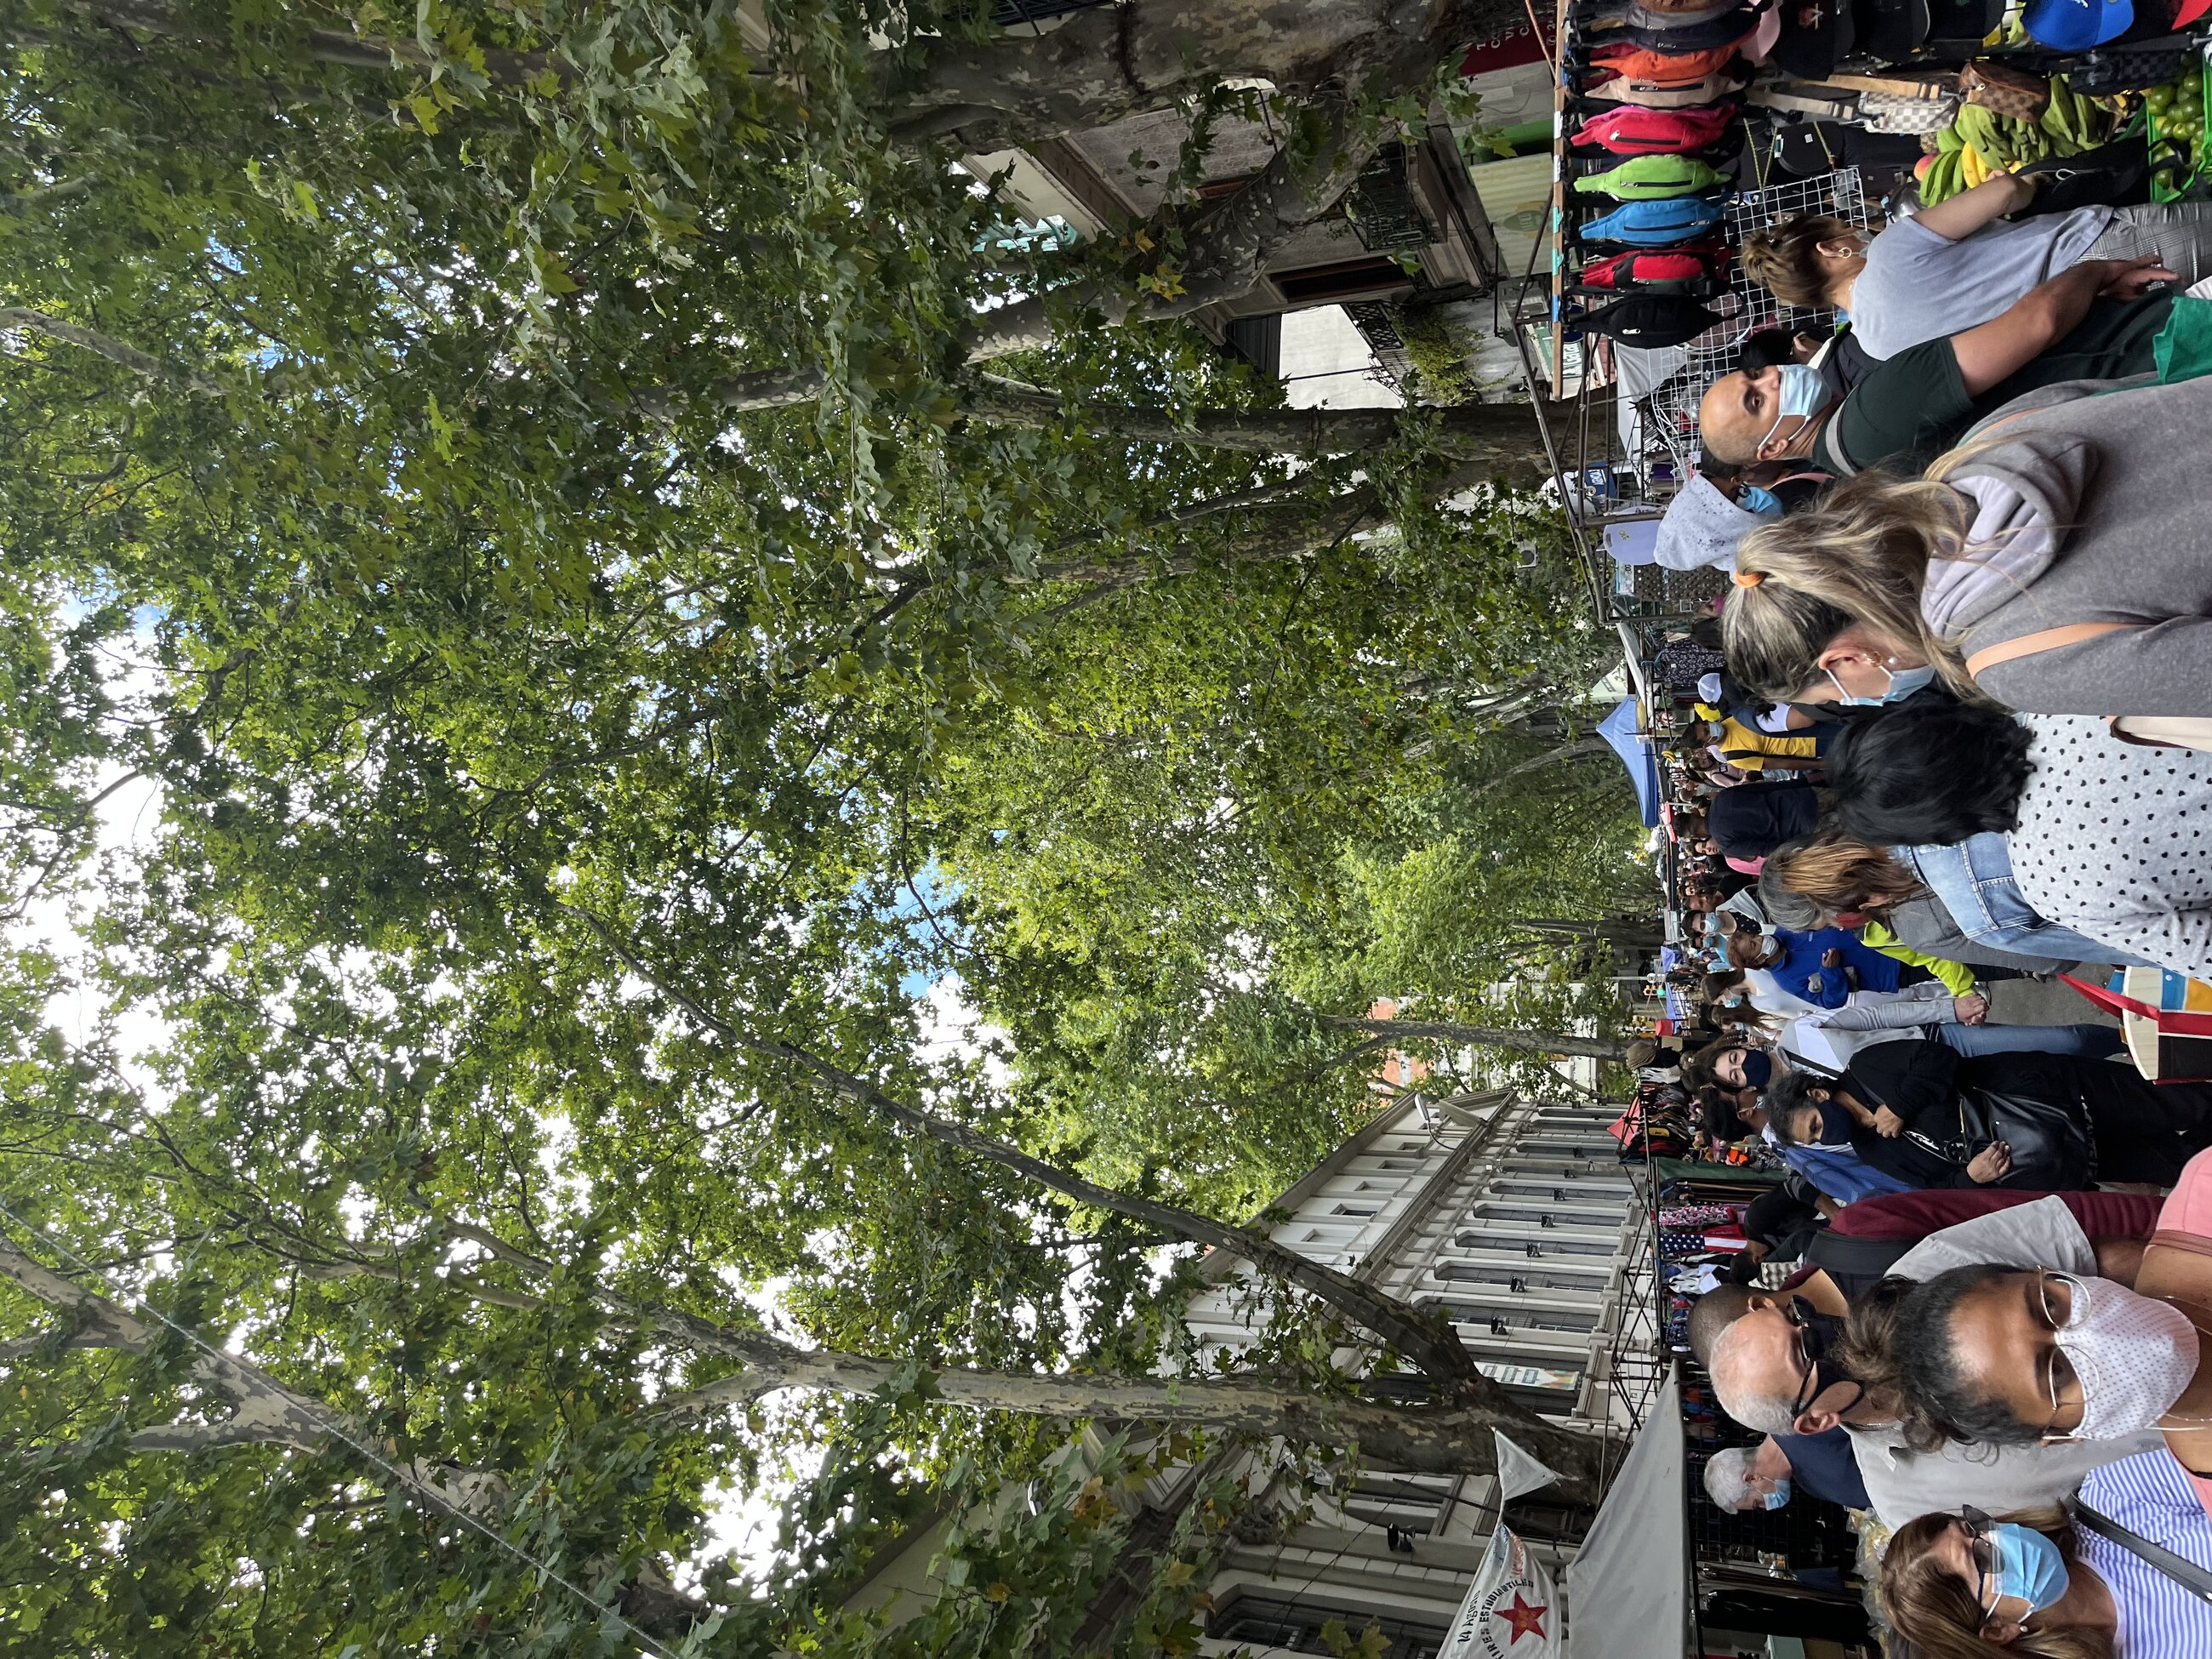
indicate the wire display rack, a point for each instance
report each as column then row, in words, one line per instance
column 1670, row 412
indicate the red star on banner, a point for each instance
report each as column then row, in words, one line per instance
column 1525, row 1619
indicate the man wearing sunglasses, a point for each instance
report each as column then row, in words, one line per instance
column 1775, row 1367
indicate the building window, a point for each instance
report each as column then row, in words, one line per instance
column 1316, row 284
column 1518, row 1281
column 1362, row 1210
column 1267, row 1621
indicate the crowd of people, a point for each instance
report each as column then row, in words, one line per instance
column 1949, row 727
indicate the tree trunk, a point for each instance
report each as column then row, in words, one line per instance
column 1634, row 931
column 1103, row 65
column 264, row 1411
column 1504, row 435
column 1491, row 1036
column 1439, row 1440
column 1556, row 757
column 1426, row 1339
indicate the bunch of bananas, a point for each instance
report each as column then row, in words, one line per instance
column 1981, row 143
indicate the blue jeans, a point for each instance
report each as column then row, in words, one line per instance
column 2090, row 1041
column 1972, row 879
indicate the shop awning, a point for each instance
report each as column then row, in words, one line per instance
column 1628, row 1590
column 1620, row 728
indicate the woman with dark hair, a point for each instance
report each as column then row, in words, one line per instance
column 1903, row 1107
column 1750, row 822
column 2047, row 1584
column 1821, row 969
column 2108, row 839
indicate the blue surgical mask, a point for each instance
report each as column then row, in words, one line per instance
column 1903, row 683
column 1780, row 1495
column 1757, row 1068
column 1752, row 498
column 2028, row 1565
column 1803, row 393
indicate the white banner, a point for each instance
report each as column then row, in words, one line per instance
column 1511, row 1610
column 1518, row 1473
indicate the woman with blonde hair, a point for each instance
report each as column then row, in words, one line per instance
column 2049, row 1584
column 2059, row 562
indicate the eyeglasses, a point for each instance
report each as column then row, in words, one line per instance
column 1982, row 1548
column 1812, row 1343
column 2054, row 1303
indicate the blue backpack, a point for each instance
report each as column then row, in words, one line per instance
column 1656, row 224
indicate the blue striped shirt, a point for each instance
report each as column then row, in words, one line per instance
column 2151, row 1495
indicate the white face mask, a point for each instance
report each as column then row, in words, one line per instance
column 2133, row 1354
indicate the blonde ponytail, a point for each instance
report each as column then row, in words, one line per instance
column 1860, row 556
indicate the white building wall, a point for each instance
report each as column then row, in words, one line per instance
column 1520, row 1220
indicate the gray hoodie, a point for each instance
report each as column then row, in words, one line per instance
column 2091, row 504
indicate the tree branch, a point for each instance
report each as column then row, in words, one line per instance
column 1428, row 1342
column 128, row 357
column 1493, row 1037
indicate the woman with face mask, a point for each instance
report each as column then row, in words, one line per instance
column 2053, row 563
column 1923, row 1114
column 1961, row 262
column 2044, row 1585
column 2104, row 838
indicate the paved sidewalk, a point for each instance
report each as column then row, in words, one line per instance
column 2033, row 1002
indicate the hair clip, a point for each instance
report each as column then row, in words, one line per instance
column 1749, row 578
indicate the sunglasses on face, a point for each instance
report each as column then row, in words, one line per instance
column 1982, row 1548
column 1811, row 1341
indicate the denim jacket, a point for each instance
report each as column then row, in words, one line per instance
column 1973, row 880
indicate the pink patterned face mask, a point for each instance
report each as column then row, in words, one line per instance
column 2134, row 1354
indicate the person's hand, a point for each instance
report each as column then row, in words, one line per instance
column 1832, row 959
column 1971, row 1009
column 2128, row 278
column 1886, row 1122
column 1993, row 1163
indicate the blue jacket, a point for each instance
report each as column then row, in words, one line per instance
column 1836, row 1171
column 1800, row 972
column 1972, row 879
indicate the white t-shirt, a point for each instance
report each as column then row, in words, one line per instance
column 1917, row 286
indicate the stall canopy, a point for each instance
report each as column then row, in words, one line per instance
column 1619, row 729
column 1628, row 1591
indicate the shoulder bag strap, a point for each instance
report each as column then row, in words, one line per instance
column 2196, row 1580
column 2048, row 639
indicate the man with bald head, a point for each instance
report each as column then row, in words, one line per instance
column 2089, row 323
column 1775, row 1361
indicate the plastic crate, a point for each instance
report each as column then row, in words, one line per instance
column 2158, row 190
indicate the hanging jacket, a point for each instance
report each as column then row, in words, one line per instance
column 1650, row 177
column 1632, row 130
column 1656, row 224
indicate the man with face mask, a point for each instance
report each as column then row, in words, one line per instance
column 1775, row 1368
column 2089, row 323
column 1766, row 1476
